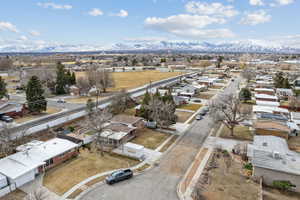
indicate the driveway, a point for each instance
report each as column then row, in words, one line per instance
column 161, row 182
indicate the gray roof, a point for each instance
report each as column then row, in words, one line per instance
column 272, row 152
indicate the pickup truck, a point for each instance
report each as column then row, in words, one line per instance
column 118, row 176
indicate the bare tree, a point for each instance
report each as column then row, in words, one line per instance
column 248, row 74
column 95, row 122
column 6, row 63
column 83, row 85
column 120, row 102
column 229, row 110
column 6, row 147
column 37, row 194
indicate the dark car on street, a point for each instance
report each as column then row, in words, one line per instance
column 118, row 176
column 6, row 118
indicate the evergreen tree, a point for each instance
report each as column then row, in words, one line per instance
column 73, row 79
column 61, row 81
column 286, row 83
column 245, row 94
column 3, row 90
column 90, row 105
column 35, row 95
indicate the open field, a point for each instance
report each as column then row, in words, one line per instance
column 29, row 117
column 150, row 139
column 183, row 116
column 226, row 181
column 192, row 107
column 240, row 133
column 61, row 178
column 130, row 80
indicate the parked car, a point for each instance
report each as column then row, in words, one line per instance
column 6, row 118
column 199, row 117
column 118, row 176
column 61, row 101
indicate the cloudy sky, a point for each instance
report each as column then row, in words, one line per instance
column 104, row 22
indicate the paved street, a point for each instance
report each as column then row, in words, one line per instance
column 160, row 183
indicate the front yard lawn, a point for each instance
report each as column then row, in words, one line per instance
column 15, row 195
column 149, row 138
column 63, row 177
column 29, row 117
column 294, row 143
column 205, row 95
column 192, row 107
column 183, row 116
column 240, row 133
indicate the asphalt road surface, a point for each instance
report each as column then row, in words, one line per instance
column 160, row 183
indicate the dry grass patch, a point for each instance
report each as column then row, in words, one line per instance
column 149, row 138
column 95, row 181
column 81, row 100
column 15, row 195
column 192, row 107
column 29, row 117
column 74, row 194
column 240, row 133
column 130, row 111
column 226, row 181
column 142, row 168
column 205, row 95
column 294, row 143
column 183, row 116
column 62, row 178
column 130, row 80
column 274, row 194
column 169, row 143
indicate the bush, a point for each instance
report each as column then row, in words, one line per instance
column 71, row 128
column 283, row 185
column 248, row 166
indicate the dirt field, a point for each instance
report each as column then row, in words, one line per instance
column 150, row 138
column 61, row 178
column 222, row 181
column 130, row 80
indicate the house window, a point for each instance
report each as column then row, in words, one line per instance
column 49, row 162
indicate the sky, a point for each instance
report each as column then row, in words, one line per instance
column 104, row 22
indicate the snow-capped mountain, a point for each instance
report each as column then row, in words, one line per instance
column 251, row 46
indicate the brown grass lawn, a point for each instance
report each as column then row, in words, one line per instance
column 205, row 95
column 49, row 111
column 229, row 183
column 192, row 107
column 130, row 111
column 217, row 86
column 15, row 195
column 63, row 177
column 240, row 133
column 294, row 143
column 183, row 116
column 150, row 138
column 130, row 80
column 81, row 100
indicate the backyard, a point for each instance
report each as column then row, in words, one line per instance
column 183, row 116
column 29, row 117
column 61, row 178
column 150, row 139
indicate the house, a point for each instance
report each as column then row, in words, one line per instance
column 268, row 103
column 116, row 134
column 180, row 100
column 295, row 117
column 12, row 109
column 272, row 117
column 297, row 84
column 272, row 160
column 283, row 93
column 34, row 158
column 128, row 120
column 74, row 90
column 275, row 128
column 266, row 97
column 264, row 84
column 268, row 91
column 270, row 109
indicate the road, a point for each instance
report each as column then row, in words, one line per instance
column 160, row 183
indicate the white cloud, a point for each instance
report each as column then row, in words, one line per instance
column 23, row 38
column 34, row 33
column 121, row 13
column 216, row 9
column 55, row 6
column 256, row 2
column 190, row 26
column 7, row 26
column 285, row 2
column 95, row 12
column 256, row 17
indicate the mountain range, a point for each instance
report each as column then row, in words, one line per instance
column 249, row 46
